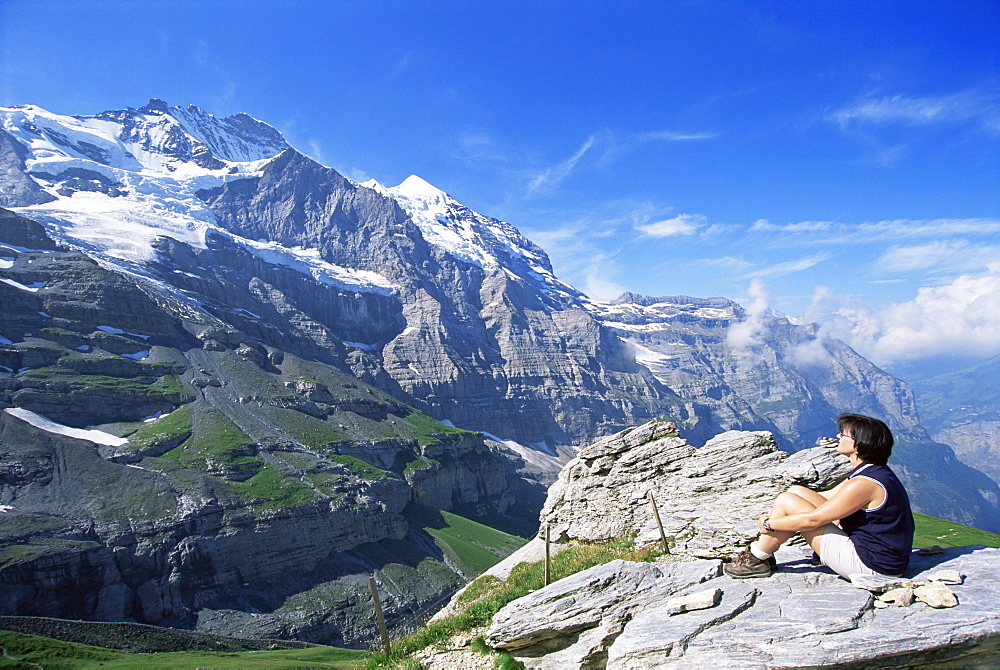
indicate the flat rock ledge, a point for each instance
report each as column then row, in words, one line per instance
column 708, row 498
column 618, row 616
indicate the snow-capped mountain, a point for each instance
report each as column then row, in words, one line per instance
column 147, row 190
column 221, row 411
column 445, row 308
column 481, row 240
column 115, row 182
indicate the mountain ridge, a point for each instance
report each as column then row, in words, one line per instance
column 450, row 310
column 278, row 344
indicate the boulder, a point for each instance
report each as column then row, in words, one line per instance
column 708, row 498
column 571, row 622
column 625, row 615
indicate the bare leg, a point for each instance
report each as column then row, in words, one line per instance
column 815, row 497
column 795, row 500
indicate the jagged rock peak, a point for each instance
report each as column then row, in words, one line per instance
column 708, row 498
column 155, row 105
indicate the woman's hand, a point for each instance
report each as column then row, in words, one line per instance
column 760, row 525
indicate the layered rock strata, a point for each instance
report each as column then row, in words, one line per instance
column 708, row 499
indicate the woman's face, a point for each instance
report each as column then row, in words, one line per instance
column 845, row 444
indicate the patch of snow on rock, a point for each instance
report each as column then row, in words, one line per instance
column 49, row 426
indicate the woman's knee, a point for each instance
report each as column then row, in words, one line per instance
column 791, row 503
column 814, row 498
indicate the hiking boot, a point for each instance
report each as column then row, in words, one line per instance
column 745, row 565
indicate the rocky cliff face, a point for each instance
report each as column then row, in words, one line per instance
column 479, row 345
column 157, row 464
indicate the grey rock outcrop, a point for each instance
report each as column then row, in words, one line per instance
column 708, row 499
column 635, row 615
column 803, row 616
column 232, row 487
column 590, row 608
column 17, row 189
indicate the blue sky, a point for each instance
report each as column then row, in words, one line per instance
column 836, row 161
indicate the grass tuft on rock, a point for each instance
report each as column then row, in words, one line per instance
column 426, row 430
column 492, row 594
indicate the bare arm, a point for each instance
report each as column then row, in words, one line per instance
column 829, row 493
column 847, row 498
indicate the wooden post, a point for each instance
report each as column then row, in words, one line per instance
column 547, row 573
column 379, row 617
column 659, row 524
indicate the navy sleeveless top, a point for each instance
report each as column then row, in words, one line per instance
column 882, row 536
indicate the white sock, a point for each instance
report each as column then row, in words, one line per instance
column 755, row 550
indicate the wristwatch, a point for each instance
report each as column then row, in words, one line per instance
column 767, row 524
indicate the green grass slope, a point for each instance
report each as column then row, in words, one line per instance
column 24, row 651
column 472, row 546
column 931, row 530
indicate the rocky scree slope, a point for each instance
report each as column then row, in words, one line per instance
column 447, row 310
column 159, row 465
column 632, row 615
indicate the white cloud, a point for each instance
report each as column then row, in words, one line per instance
column 555, row 174
column 881, row 231
column 797, row 227
column 952, row 256
column 961, row 318
column 786, row 267
column 580, row 251
column 921, row 110
column 670, row 136
column 732, row 265
column 316, row 150
column 598, row 283
column 682, row 224
column 934, row 228
column 743, row 337
column 356, row 175
column 810, row 353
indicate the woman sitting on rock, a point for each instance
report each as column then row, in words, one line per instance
column 863, row 525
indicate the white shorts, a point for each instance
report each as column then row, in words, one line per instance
column 838, row 553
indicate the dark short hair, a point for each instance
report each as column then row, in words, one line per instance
column 872, row 438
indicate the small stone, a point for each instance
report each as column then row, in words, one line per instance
column 879, row 583
column 930, row 551
column 696, row 601
column 946, row 577
column 880, row 604
column 903, row 596
column 936, row 594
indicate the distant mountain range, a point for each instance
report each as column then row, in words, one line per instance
column 211, row 343
column 962, row 409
